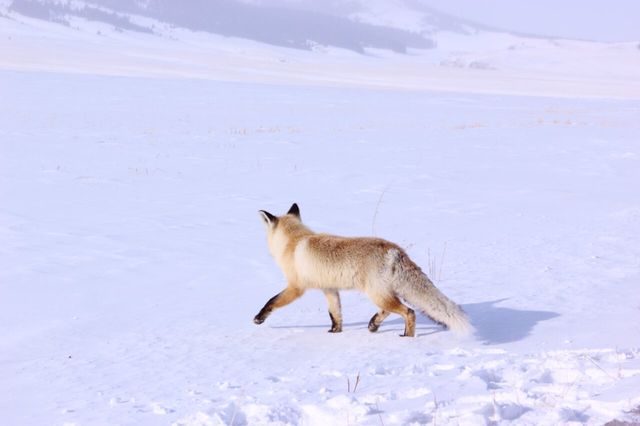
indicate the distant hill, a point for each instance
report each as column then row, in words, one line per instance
column 295, row 27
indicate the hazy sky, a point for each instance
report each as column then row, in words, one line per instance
column 605, row 20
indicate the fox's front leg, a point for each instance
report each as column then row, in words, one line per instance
column 281, row 299
column 335, row 310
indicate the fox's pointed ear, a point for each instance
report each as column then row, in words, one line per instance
column 294, row 210
column 268, row 218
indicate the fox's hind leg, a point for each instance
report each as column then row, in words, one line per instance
column 335, row 310
column 391, row 303
column 281, row 299
column 376, row 320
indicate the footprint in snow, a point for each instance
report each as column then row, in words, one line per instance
column 159, row 409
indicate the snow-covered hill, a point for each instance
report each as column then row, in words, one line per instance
column 419, row 50
column 408, row 15
column 280, row 26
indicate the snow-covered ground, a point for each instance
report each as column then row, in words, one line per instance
column 132, row 257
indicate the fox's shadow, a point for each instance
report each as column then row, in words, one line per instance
column 424, row 326
column 496, row 324
column 493, row 324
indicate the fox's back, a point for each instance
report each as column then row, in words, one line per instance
column 330, row 261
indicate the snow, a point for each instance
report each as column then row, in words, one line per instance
column 132, row 257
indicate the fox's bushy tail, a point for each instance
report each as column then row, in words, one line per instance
column 416, row 288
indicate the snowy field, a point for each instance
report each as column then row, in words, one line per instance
column 132, row 257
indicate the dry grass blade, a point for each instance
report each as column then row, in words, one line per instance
column 375, row 214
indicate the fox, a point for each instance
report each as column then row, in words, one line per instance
column 377, row 267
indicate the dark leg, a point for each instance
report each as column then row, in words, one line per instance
column 376, row 320
column 335, row 310
column 281, row 299
column 391, row 303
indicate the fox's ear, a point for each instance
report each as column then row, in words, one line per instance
column 294, row 210
column 268, row 218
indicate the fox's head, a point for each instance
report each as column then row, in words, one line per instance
column 281, row 230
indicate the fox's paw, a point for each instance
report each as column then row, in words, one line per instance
column 373, row 327
column 258, row 319
column 335, row 330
